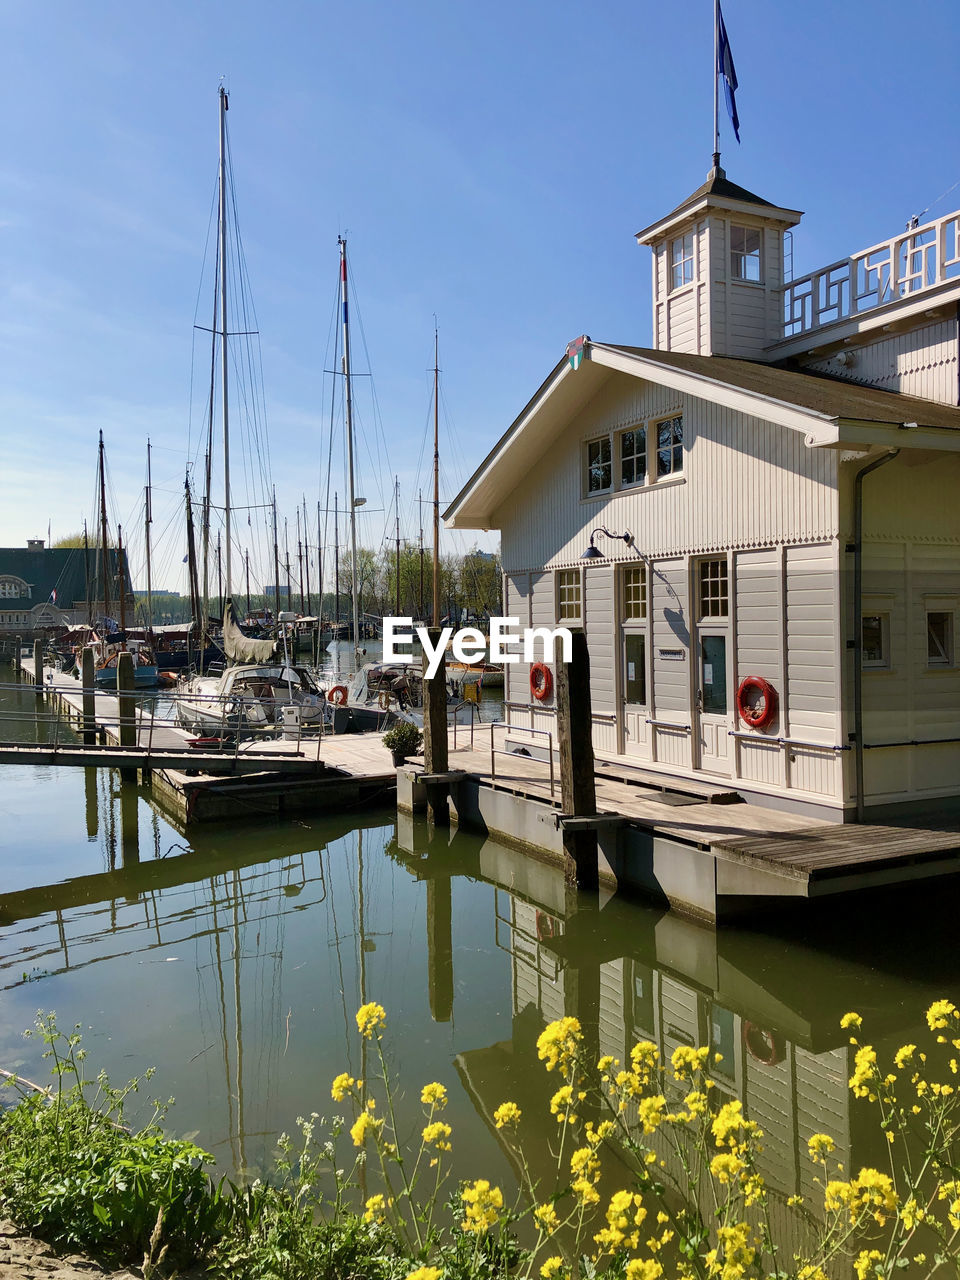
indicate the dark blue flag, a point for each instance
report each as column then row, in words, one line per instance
column 726, row 69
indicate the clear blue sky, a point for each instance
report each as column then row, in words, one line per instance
column 489, row 164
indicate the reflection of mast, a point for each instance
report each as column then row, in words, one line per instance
column 440, row 947
column 223, row 1025
column 361, row 937
column 237, row 1027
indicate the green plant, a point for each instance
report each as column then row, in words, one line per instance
column 72, row 1171
column 403, row 738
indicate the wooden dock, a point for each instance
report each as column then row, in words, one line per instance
column 264, row 777
column 693, row 849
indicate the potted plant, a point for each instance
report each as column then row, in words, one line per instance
column 402, row 739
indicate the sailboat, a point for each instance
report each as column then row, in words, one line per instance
column 108, row 638
column 256, row 690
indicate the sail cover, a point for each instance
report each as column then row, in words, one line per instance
column 240, row 648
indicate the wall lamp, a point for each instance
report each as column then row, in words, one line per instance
column 593, row 553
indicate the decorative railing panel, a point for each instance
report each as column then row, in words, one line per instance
column 918, row 259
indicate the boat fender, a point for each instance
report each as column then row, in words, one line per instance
column 756, row 702
column 338, row 695
column 541, row 681
column 383, row 700
column 764, row 1046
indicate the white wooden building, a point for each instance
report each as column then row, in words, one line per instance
column 786, row 461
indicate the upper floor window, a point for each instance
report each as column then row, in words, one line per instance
column 633, row 456
column 599, row 465
column 745, row 253
column 875, row 639
column 670, row 447
column 939, row 638
column 681, row 260
column 634, row 593
column 13, row 588
column 714, row 588
column 569, row 598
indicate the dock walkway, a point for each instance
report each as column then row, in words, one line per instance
column 709, row 858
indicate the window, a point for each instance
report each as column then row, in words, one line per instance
column 13, row 588
column 745, row 253
column 681, row 259
column 875, row 639
column 714, row 589
column 939, row 639
column 633, row 456
column 669, row 447
column 568, row 594
column 635, row 668
column 599, row 465
column 635, row 593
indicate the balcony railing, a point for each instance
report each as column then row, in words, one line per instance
column 914, row 262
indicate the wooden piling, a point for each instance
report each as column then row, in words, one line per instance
column 38, row 665
column 17, row 665
column 87, row 679
column 126, row 709
column 578, row 790
column 435, row 759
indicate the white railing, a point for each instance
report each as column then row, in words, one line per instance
column 913, row 262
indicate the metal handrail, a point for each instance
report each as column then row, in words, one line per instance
column 542, row 733
column 786, row 742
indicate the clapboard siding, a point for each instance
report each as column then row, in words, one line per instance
column 919, row 362
column 598, row 622
column 790, row 489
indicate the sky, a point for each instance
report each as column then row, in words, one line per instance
column 488, row 165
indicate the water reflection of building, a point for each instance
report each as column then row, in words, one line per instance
column 771, row 1007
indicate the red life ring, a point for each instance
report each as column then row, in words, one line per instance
column 541, row 681
column 756, row 702
column 544, row 925
column 765, row 1047
column 338, row 695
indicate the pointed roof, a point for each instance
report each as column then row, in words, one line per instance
column 718, row 192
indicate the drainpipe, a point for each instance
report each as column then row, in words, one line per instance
column 858, row 619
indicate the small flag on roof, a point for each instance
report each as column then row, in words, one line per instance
column 575, row 350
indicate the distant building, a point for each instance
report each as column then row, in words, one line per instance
column 784, row 463
column 41, row 587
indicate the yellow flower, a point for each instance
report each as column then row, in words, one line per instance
column 436, row 1135
column 370, row 1018
column 434, row 1095
column 686, row 1061
column 643, row 1269
column 552, row 1267
column 508, row 1113
column 820, row 1144
column 558, row 1043
column 584, row 1164
column 424, row 1273
column 911, row 1213
column 375, row 1209
column 864, row 1262
column 365, row 1124
column 483, row 1204
column 904, row 1055
column 650, row 1112
column 940, row 1013
column 865, row 1073
column 605, row 1063
column 545, row 1216
column 812, row 1272
column 341, row 1085
column 729, row 1124
column 726, row 1167
column 738, row 1251
column 585, row 1191
column 851, row 1020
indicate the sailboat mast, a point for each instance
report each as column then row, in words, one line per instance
column 397, row 485
column 306, row 552
column 104, row 540
column 86, row 571
column 121, row 581
column 224, row 106
column 276, row 558
column 348, row 402
column 436, row 478
column 148, row 521
column 336, row 562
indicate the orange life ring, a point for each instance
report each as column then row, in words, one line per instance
column 766, row 1047
column 541, row 681
column 756, row 702
column 338, row 695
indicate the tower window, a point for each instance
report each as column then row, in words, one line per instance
column 745, row 253
column 681, row 257
column 599, row 465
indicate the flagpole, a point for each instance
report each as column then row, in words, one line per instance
column 716, row 84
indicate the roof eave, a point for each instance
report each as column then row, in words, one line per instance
column 656, row 230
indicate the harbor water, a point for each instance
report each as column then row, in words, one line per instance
column 233, row 959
